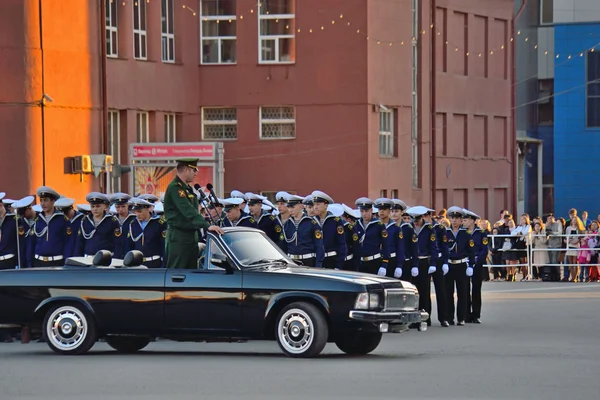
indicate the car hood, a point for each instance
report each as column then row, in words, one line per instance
column 346, row 276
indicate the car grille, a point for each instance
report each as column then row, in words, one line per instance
column 401, row 300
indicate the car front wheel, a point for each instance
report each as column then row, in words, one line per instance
column 69, row 329
column 358, row 343
column 301, row 330
column 127, row 344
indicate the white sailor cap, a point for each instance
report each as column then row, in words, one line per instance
column 470, row 215
column 231, row 202
column 293, row 199
column 456, row 212
column 64, row 202
column 254, row 198
column 282, row 196
column 97, row 198
column 148, row 197
column 236, row 194
column 350, row 211
column 399, row 205
column 417, row 211
column 112, row 209
column 364, row 203
column 308, row 200
column 321, row 197
column 2, row 194
column 139, row 203
column 383, row 203
column 7, row 202
column 23, row 203
column 159, row 207
column 45, row 191
column 267, row 203
column 336, row 209
column 37, row 208
column 83, row 207
column 120, row 198
column 248, row 194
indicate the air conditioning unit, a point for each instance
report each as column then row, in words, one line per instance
column 81, row 164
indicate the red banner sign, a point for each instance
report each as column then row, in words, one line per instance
column 172, row 152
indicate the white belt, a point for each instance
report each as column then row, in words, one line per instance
column 439, row 254
column 49, row 258
column 6, row 257
column 423, row 257
column 461, row 261
column 375, row 257
column 301, row 256
column 392, row 255
column 350, row 257
column 152, row 258
column 331, row 253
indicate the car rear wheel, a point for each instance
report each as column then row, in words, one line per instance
column 127, row 344
column 301, row 330
column 359, row 343
column 69, row 329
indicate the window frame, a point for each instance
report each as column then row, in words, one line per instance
column 168, row 37
column 588, row 83
column 140, row 35
column 541, row 12
column 389, row 135
column 114, row 141
column 138, row 126
column 111, row 28
column 276, row 38
column 170, row 130
column 219, row 39
column 276, row 121
column 219, row 122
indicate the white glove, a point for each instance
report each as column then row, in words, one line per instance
column 397, row 272
column 445, row 269
column 382, row 271
column 431, row 270
column 414, row 271
column 469, row 271
column 337, row 269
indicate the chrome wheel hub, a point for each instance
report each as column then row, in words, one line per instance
column 296, row 332
column 66, row 328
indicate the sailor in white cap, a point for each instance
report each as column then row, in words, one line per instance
column 85, row 209
column 100, row 230
column 428, row 254
column 8, row 204
column 146, row 233
column 332, row 228
column 12, row 238
column 65, row 205
column 475, row 271
column 234, row 214
column 120, row 202
column 50, row 230
column 236, row 194
column 374, row 250
column 350, row 218
column 281, row 199
column 303, row 238
column 266, row 222
column 308, row 204
column 461, row 254
column 395, row 241
column 408, row 240
column 442, row 268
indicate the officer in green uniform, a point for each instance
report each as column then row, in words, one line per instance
column 183, row 219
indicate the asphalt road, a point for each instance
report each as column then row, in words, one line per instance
column 537, row 341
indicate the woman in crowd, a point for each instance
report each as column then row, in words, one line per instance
column 573, row 244
column 486, row 228
column 509, row 254
column 540, row 245
column 523, row 234
column 495, row 243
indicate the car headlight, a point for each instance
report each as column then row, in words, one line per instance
column 366, row 301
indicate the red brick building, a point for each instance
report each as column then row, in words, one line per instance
column 306, row 94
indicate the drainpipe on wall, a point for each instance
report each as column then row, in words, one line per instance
column 42, row 101
column 514, row 107
column 104, row 136
column 432, row 105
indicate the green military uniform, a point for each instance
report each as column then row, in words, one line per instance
column 184, row 221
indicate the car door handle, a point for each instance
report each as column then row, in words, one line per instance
column 177, row 278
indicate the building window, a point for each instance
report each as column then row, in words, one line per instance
column 383, row 193
column 219, row 123
column 386, row 133
column 276, row 20
column 394, row 193
column 139, row 29
column 143, row 135
column 277, row 123
column 112, row 37
column 168, row 31
column 170, row 128
column 114, row 148
column 593, row 89
column 546, row 12
column 218, row 32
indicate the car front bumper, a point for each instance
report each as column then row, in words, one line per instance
column 388, row 321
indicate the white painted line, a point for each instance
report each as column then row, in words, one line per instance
column 574, row 286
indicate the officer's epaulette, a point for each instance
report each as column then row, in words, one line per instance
column 430, row 227
column 252, row 220
column 337, row 219
column 313, row 221
column 115, row 219
column 161, row 220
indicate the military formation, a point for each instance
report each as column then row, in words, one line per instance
column 383, row 237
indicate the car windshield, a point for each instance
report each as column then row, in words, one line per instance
column 253, row 248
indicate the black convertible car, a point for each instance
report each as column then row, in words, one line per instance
column 244, row 289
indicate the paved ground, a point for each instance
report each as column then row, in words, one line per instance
column 538, row 341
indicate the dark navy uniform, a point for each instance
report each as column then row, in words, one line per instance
column 353, row 246
column 104, row 235
column 428, row 255
column 50, row 240
column 12, row 241
column 480, row 242
column 438, row 276
column 374, row 250
column 73, row 226
column 334, row 241
column 271, row 227
column 304, row 241
column 149, row 238
column 245, row 221
column 460, row 254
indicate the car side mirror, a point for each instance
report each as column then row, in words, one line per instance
column 219, row 260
